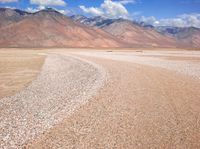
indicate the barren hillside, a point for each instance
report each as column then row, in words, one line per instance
column 49, row 28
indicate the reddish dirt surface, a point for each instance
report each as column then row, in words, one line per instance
column 139, row 107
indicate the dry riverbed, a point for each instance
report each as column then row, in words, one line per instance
column 97, row 99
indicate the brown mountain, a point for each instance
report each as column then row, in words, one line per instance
column 189, row 36
column 49, row 28
column 136, row 35
column 9, row 16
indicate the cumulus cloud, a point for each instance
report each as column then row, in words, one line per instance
column 149, row 20
column 65, row 12
column 8, row 1
column 42, row 4
column 92, row 10
column 109, row 8
column 32, row 10
column 185, row 20
column 48, row 2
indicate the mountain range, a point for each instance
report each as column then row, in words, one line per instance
column 186, row 37
column 49, row 28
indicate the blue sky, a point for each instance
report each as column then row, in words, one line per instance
column 156, row 12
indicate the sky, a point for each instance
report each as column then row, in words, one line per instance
column 181, row 13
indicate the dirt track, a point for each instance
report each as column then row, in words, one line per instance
column 148, row 100
column 140, row 106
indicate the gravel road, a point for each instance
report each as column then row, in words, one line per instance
column 137, row 100
column 156, row 59
column 141, row 106
column 64, row 84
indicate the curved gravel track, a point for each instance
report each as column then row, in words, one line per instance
column 152, row 58
column 63, row 85
column 140, row 107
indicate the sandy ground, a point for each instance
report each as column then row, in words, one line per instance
column 18, row 69
column 143, row 100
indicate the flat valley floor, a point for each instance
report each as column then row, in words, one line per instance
column 81, row 98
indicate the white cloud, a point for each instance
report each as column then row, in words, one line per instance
column 110, row 9
column 178, row 22
column 149, row 20
column 92, row 10
column 42, row 4
column 32, row 10
column 48, row 2
column 114, row 9
column 10, row 7
column 65, row 12
column 185, row 20
column 127, row 2
column 8, row 1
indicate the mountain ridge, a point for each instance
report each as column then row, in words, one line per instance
column 50, row 28
column 188, row 37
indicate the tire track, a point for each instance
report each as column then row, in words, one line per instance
column 63, row 85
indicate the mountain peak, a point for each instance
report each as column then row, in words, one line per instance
column 49, row 28
column 12, row 12
column 9, row 16
column 48, row 11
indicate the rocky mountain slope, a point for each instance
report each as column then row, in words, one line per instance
column 49, row 28
column 97, row 21
column 139, row 36
column 190, row 36
column 9, row 16
column 133, row 33
column 143, row 34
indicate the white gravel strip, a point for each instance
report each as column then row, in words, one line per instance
column 181, row 66
column 65, row 83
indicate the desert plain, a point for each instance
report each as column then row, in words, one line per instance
column 103, row 98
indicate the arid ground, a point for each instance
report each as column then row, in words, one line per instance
column 67, row 98
column 18, row 69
